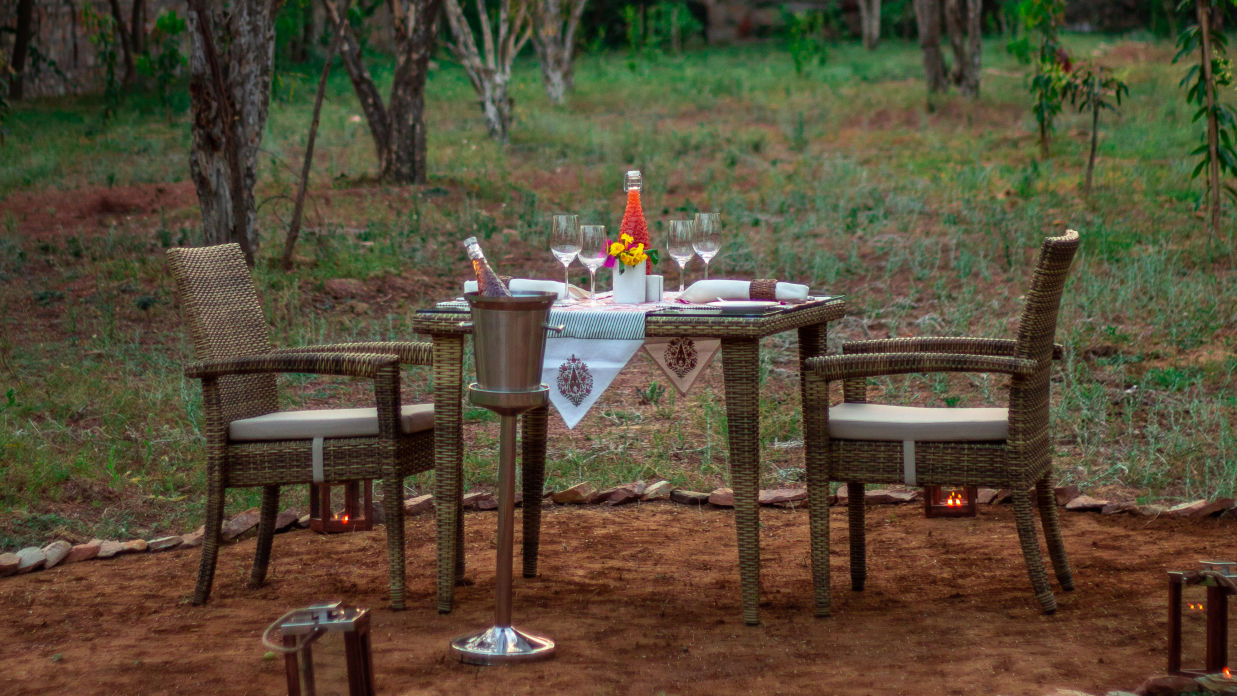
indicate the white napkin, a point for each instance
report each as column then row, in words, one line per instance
column 529, row 285
column 703, row 291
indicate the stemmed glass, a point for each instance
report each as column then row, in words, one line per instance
column 593, row 252
column 708, row 239
column 679, row 245
column 565, row 244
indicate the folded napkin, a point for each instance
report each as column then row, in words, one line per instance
column 703, row 291
column 529, row 285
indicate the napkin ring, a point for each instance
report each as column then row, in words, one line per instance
column 762, row 289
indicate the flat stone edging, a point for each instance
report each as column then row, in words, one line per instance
column 244, row 525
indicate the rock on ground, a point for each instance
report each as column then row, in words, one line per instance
column 685, row 497
column 84, row 552
column 576, row 495
column 722, row 497
column 164, row 543
column 658, row 491
column 8, row 564
column 419, row 504
column 56, row 552
column 30, row 559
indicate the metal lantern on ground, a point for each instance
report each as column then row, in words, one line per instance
column 326, row 650
column 950, row 501
column 341, row 507
column 1198, row 599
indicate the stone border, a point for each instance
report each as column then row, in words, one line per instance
column 244, row 525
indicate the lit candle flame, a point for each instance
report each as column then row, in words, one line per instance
column 1228, row 674
column 345, row 519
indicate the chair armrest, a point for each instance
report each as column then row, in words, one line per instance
column 408, row 352
column 345, row 365
column 962, row 345
column 834, row 367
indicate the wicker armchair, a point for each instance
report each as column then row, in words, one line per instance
column 250, row 442
column 1009, row 448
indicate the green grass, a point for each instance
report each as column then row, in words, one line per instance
column 928, row 222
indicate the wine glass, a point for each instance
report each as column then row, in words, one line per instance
column 565, row 244
column 593, row 252
column 679, row 245
column 708, row 239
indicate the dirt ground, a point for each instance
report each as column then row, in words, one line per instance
column 641, row 600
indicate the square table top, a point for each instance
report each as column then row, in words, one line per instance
column 675, row 320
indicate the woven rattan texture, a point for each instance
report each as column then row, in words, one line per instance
column 1021, row 463
column 237, row 367
column 740, row 364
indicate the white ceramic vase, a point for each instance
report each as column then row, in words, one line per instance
column 628, row 283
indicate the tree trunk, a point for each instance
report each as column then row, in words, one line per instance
column 870, row 22
column 137, row 27
column 490, row 74
column 298, row 209
column 928, row 17
column 126, row 41
column 415, row 35
column 1213, row 131
column 366, row 91
column 962, row 20
column 21, row 45
column 230, row 93
column 554, row 39
column 398, row 128
column 1095, row 135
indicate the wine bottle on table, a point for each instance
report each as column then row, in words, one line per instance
column 634, row 223
column 488, row 283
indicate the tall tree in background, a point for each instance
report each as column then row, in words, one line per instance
column 131, row 34
column 397, row 127
column 232, row 56
column 962, row 21
column 928, row 19
column 21, row 46
column 491, row 74
column 870, row 22
column 554, row 39
column 1218, row 151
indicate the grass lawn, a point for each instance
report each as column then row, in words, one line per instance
column 927, row 221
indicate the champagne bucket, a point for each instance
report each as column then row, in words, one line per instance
column 509, row 339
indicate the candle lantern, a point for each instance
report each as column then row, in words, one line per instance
column 950, row 501
column 341, row 507
column 326, row 650
column 1198, row 602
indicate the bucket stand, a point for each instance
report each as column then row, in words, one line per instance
column 509, row 337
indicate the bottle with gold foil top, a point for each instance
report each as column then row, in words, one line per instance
column 634, row 223
column 488, row 283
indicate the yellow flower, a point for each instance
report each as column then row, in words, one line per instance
column 616, row 248
column 626, row 239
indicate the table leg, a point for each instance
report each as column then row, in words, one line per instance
column 448, row 459
column 740, row 369
column 812, row 344
column 532, row 468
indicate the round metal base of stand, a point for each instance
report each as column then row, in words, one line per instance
column 500, row 645
column 509, row 403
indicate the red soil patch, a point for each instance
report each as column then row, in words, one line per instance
column 641, row 600
column 54, row 213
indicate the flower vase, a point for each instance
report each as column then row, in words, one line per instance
column 628, row 283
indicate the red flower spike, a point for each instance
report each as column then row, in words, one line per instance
column 634, row 223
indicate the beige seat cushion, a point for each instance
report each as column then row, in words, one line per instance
column 883, row 422
column 336, row 422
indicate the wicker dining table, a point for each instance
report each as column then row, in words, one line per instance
column 740, row 333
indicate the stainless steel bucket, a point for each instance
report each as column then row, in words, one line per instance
column 509, row 339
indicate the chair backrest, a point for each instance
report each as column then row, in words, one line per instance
column 1038, row 326
column 220, row 305
column 1029, row 396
